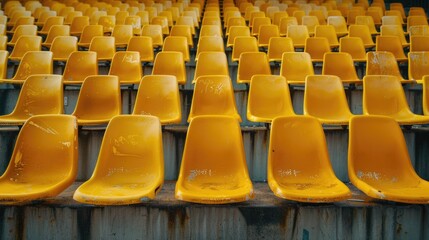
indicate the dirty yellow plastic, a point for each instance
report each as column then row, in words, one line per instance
column 269, row 97
column 317, row 47
column 416, row 21
column 144, row 46
column 391, row 44
column 21, row 31
column 277, row 46
column 170, row 63
column 362, row 32
column 122, row 34
column 339, row 24
column 340, row 64
column 177, row 44
column 127, row 66
column 51, row 21
column 252, row 63
column 62, row 47
column 186, row 20
column 25, row 44
column 209, row 44
column 130, row 166
column 40, row 94
column 80, row 64
column 104, row 46
column 236, row 31
column 379, row 164
column 21, row 21
column 88, row 33
column 3, row 63
column 78, row 24
column 44, row 161
column 426, row 95
column 299, row 168
column 325, row 99
column 266, row 32
column 353, row 46
column 384, row 95
column 299, row 34
column 383, row 63
column 213, row 95
column 213, row 168
column 419, row 43
column 328, row 32
column 418, row 65
column 33, row 62
column 211, row 63
column 184, row 31
column 311, row 22
column 394, row 30
column 158, row 95
column 108, row 23
column 99, row 100
column 243, row 44
column 296, row 66
column 211, row 30
column 285, row 23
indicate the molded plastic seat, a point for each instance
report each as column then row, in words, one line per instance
column 158, row 95
column 143, row 45
column 296, row 66
column 209, row 44
column 341, row 65
column 51, row 21
column 384, row 95
column 21, row 31
column 298, row 34
column 213, row 168
column 62, row 47
column 213, row 95
column 391, row 20
column 33, row 62
column 184, row 31
column 23, row 45
column 56, row 31
column 253, row 15
column 340, row 25
column 155, row 32
column 328, row 32
column 419, row 43
column 394, row 30
column 325, row 99
column 311, row 22
column 236, row 31
column 122, row 34
column 379, row 164
column 234, row 21
column 99, row 100
column 3, row 63
column 133, row 171
column 317, row 47
column 369, row 22
column 187, row 20
column 252, row 63
column 44, row 160
column 242, row 45
column 391, row 44
column 269, row 97
column 108, row 22
column 78, row 24
column 80, row 65
column 353, row 46
column 266, row 32
column 383, row 63
column 321, row 18
column 418, row 65
column 104, row 46
column 127, row 66
column 416, row 21
column 40, row 94
column 278, row 17
column 170, row 63
column 299, row 167
column 177, row 44
column 211, row 63
column 68, row 19
column 211, row 30
column 285, row 23
column 277, row 46
column 21, row 21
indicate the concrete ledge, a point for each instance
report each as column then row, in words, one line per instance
column 265, row 217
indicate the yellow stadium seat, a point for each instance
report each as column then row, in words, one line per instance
column 21, row 21
column 80, row 65
column 177, row 44
column 299, row 167
column 108, row 23
column 21, row 31
column 211, row 30
column 56, row 31
column 269, row 97
column 51, row 21
column 243, row 44
column 23, row 45
column 78, row 24
column 120, row 17
column 88, row 33
column 394, row 30
column 68, row 20
column 155, row 32
column 298, row 34
column 99, row 100
column 33, row 62
column 163, row 22
column 144, row 46
column 104, row 46
column 158, row 95
column 170, row 63
column 31, row 174
column 296, row 66
column 133, row 171
column 391, row 20
column 266, row 32
column 211, row 63
column 369, row 22
column 250, row 64
column 384, row 95
column 419, row 43
column 311, row 22
column 340, row 64
column 62, row 47
column 236, row 31
column 127, row 66
column 209, row 44
column 3, row 63
column 383, row 63
column 122, row 35
column 325, row 99
column 379, row 164
column 328, row 32
column 355, row 47
column 213, row 168
column 416, row 21
column 340, row 25
column 285, row 23
column 277, row 46
column 317, row 47
column 213, row 95
column 418, row 65
column 184, row 31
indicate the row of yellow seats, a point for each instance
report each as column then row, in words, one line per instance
column 130, row 165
